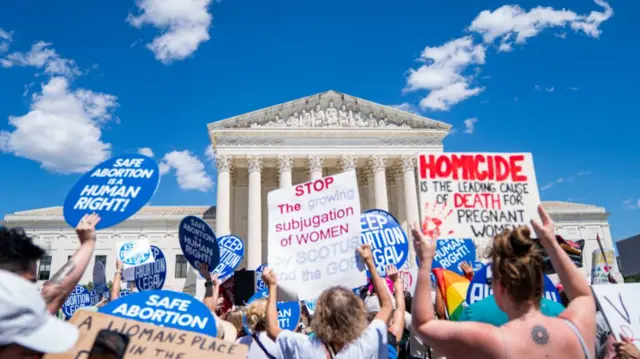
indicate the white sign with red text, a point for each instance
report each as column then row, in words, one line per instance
column 314, row 230
column 476, row 195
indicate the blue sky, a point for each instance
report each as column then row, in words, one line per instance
column 80, row 83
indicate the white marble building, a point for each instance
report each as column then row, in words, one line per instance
column 281, row 146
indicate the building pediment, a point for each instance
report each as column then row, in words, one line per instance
column 332, row 110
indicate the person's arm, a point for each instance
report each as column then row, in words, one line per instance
column 397, row 327
column 212, row 287
column 440, row 310
column 269, row 278
column 582, row 307
column 57, row 289
column 451, row 339
column 379, row 285
column 117, row 281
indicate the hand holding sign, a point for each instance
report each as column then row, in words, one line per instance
column 425, row 248
column 86, row 228
column 198, row 242
column 269, row 277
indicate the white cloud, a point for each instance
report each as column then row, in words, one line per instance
column 470, row 125
column 210, row 154
column 62, row 130
column 406, row 107
column 560, row 180
column 184, row 25
column 164, row 168
column 146, row 151
column 189, row 171
column 512, row 24
column 550, row 89
column 445, row 73
column 41, row 56
column 631, row 204
column 5, row 40
column 573, row 88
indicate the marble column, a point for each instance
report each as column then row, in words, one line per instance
column 348, row 163
column 285, row 166
column 315, row 164
column 378, row 164
column 254, row 241
column 410, row 200
column 398, row 177
column 223, row 203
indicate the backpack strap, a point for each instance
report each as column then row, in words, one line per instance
column 255, row 338
column 332, row 353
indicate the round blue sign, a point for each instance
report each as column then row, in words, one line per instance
column 166, row 309
column 128, row 254
column 480, row 287
column 311, row 306
column 231, row 253
column 198, row 242
column 125, row 292
column 288, row 312
column 152, row 275
column 115, row 189
column 259, row 282
column 451, row 253
column 389, row 243
column 78, row 298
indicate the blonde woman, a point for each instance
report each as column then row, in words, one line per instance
column 234, row 316
column 339, row 322
column 517, row 287
column 260, row 345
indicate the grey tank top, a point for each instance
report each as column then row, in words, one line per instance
column 585, row 349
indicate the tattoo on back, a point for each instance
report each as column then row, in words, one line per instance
column 540, row 335
column 64, row 272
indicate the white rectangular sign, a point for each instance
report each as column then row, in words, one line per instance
column 476, row 195
column 133, row 254
column 599, row 268
column 314, row 230
column 619, row 306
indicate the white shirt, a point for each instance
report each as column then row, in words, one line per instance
column 372, row 343
column 255, row 352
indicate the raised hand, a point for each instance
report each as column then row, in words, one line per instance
column 119, row 265
column 392, row 273
column 203, row 268
column 467, row 269
column 425, row 248
column 545, row 231
column 86, row 228
column 365, row 252
column 269, row 278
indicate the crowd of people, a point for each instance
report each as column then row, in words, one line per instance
column 383, row 322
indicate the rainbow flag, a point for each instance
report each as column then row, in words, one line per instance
column 454, row 291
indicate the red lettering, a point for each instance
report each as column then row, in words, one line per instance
column 472, row 167
column 477, row 200
column 317, row 185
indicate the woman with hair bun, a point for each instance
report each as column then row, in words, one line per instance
column 518, row 283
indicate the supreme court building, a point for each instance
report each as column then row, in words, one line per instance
column 281, row 146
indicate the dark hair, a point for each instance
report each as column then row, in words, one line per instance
column 17, row 250
column 517, row 265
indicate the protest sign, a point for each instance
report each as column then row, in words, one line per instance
column 311, row 306
column 601, row 266
column 476, row 195
column 389, row 244
column 78, row 298
column 314, row 230
column 618, row 304
column 152, row 275
column 231, row 253
column 115, row 189
column 148, row 341
column 165, row 308
column 198, row 242
column 100, row 278
column 259, row 283
column 288, row 312
column 480, row 287
column 451, row 253
column 125, row 292
column 133, row 254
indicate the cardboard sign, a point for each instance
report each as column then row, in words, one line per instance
column 480, row 287
column 314, row 230
column 451, row 253
column 152, row 275
column 100, row 278
column 618, row 305
column 78, row 298
column 259, row 283
column 476, row 195
column 165, row 308
column 148, row 341
column 288, row 312
column 599, row 268
column 115, row 189
column 231, row 253
column 198, row 243
column 389, row 243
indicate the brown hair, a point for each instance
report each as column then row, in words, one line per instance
column 517, row 265
column 235, row 317
column 257, row 315
column 340, row 316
